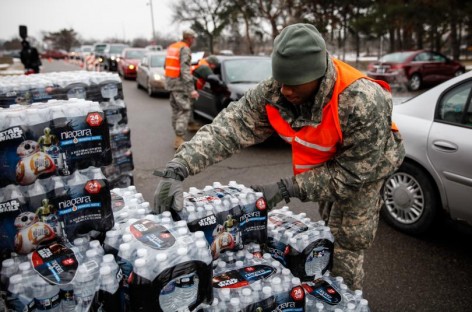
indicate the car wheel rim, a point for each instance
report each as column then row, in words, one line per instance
column 404, row 198
column 415, row 82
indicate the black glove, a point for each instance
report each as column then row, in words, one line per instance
column 275, row 192
column 169, row 191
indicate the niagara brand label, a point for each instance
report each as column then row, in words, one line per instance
column 323, row 291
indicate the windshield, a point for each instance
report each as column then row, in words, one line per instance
column 87, row 49
column 116, row 49
column 247, row 70
column 158, row 60
column 134, row 54
column 398, row 57
column 100, row 48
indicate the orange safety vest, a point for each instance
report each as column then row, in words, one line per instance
column 312, row 146
column 172, row 65
column 200, row 81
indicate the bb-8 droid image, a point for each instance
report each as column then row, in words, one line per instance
column 31, row 232
column 32, row 162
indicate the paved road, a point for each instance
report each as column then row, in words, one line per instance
column 403, row 273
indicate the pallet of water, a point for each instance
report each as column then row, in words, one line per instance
column 303, row 246
column 230, row 215
column 165, row 267
column 248, row 281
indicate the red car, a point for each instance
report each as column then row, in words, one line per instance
column 129, row 61
column 414, row 69
column 55, row 54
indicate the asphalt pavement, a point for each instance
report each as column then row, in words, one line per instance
column 403, row 273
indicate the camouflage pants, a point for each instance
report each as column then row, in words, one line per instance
column 353, row 223
column 181, row 105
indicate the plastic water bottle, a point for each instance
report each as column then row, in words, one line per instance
column 108, row 294
column 9, row 268
column 46, row 296
column 234, row 305
column 85, row 287
column 67, row 298
column 17, row 297
column 246, row 298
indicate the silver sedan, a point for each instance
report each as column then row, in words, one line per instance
column 436, row 176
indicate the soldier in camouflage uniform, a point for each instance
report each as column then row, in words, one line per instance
column 348, row 184
column 181, row 85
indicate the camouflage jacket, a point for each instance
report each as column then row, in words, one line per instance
column 369, row 152
column 185, row 82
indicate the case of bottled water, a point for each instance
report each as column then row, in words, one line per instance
column 165, row 267
column 230, row 215
column 303, row 246
column 67, row 207
column 329, row 293
column 60, row 276
column 54, row 138
column 245, row 282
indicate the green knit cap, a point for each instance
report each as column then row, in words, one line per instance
column 299, row 55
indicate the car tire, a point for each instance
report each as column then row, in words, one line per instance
column 149, row 89
column 137, row 84
column 411, row 201
column 458, row 72
column 414, row 83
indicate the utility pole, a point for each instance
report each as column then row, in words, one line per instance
column 152, row 21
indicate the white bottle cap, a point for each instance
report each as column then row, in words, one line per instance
column 234, row 301
column 108, row 258
column 201, row 243
column 8, row 263
column 94, row 244
column 161, row 257
column 139, row 263
column 247, row 292
column 105, row 270
column 267, row 290
column 127, row 238
column 141, row 252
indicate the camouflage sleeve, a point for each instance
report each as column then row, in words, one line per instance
column 185, row 75
column 243, row 123
column 368, row 152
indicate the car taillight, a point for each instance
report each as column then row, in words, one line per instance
column 131, row 67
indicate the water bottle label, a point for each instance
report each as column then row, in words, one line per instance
column 179, row 293
column 117, row 202
column 293, row 300
column 278, row 250
column 322, row 291
column 152, row 234
column 47, row 304
column 18, row 302
column 56, row 263
column 243, row 277
column 287, row 222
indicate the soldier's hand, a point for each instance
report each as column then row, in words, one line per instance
column 276, row 192
column 194, row 94
column 169, row 191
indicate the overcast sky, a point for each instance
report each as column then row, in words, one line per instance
column 91, row 19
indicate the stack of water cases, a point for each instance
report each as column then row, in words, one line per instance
column 248, row 281
column 164, row 266
column 103, row 88
column 303, row 246
column 230, row 215
column 62, row 277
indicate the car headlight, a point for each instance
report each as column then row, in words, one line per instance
column 157, row 77
column 100, row 59
column 112, row 58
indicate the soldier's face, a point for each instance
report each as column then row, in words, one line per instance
column 300, row 94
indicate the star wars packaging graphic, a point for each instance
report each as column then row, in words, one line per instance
column 254, row 284
column 55, row 262
column 93, row 86
column 51, row 139
column 165, row 267
column 305, row 247
column 120, row 137
column 230, row 215
column 56, row 207
column 328, row 293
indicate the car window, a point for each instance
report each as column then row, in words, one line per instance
column 437, row 57
column 158, row 60
column 247, row 70
column 423, row 57
column 397, row 57
column 454, row 106
column 116, row 49
column 134, row 54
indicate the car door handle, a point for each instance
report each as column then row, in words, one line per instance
column 445, row 146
